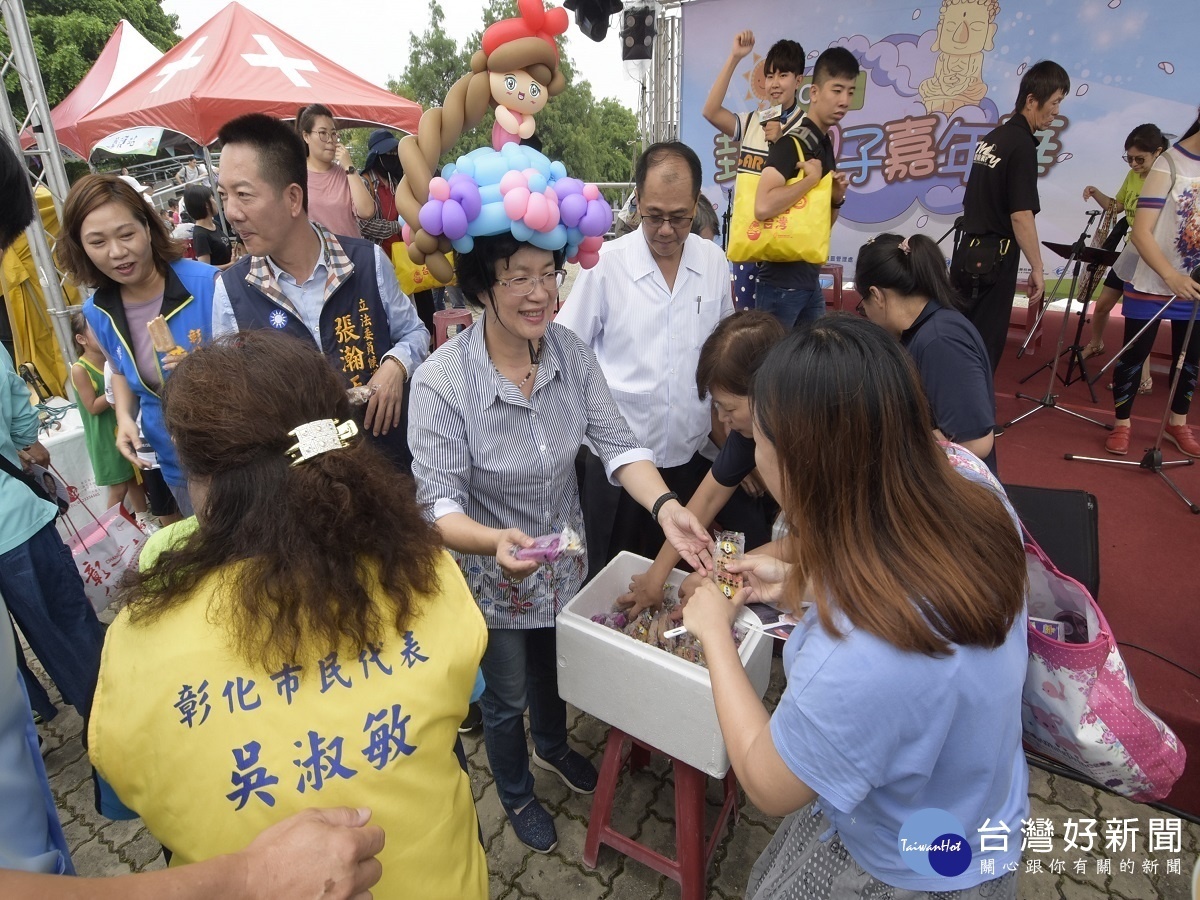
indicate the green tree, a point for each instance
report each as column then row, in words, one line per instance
column 68, row 36
column 592, row 137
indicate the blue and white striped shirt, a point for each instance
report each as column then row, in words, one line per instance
column 481, row 448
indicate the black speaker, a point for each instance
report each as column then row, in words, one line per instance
column 1066, row 524
column 637, row 33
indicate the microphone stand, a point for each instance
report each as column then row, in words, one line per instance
column 1152, row 460
column 1050, row 399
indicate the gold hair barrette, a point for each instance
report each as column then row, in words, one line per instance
column 315, row 438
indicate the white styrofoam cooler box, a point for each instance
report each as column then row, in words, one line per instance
column 650, row 694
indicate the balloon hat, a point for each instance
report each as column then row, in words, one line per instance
column 520, row 191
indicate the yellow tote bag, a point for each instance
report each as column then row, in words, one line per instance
column 414, row 278
column 801, row 234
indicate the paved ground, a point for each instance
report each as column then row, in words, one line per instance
column 645, row 810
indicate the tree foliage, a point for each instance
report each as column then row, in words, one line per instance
column 595, row 139
column 68, row 36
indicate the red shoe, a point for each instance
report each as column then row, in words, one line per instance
column 1183, row 438
column 1118, row 440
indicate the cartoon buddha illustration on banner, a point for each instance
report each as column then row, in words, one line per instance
column 966, row 29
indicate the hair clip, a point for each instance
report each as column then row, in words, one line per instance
column 315, row 438
column 904, row 248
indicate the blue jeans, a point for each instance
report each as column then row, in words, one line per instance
column 790, row 306
column 45, row 596
column 519, row 667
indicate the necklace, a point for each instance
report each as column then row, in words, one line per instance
column 528, row 375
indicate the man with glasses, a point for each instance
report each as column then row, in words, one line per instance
column 299, row 278
column 645, row 309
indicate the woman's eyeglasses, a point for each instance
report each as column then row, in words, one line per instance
column 326, row 136
column 523, row 285
column 1134, row 160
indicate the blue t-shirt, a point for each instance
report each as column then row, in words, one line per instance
column 879, row 734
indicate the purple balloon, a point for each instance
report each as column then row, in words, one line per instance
column 572, row 207
column 454, row 220
column 465, row 191
column 597, row 218
column 566, row 186
column 430, row 217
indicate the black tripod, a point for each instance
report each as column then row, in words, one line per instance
column 1152, row 460
column 1074, row 253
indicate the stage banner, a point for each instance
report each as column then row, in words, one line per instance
column 936, row 77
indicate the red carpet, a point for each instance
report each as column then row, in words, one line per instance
column 1149, row 576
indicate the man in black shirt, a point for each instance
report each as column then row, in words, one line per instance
column 1000, row 203
column 792, row 291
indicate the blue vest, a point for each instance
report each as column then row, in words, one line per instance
column 354, row 325
column 187, row 307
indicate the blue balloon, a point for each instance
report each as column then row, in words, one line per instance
column 549, row 240
column 464, row 244
column 522, row 232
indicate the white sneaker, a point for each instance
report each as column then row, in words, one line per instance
column 148, row 523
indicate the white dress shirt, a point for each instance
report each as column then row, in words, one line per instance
column 647, row 337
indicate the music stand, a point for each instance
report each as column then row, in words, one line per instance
column 1075, row 253
column 1152, row 460
column 1095, row 258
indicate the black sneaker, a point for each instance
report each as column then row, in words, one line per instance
column 473, row 720
column 573, row 768
column 534, row 827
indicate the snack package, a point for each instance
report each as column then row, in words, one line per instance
column 161, row 337
column 730, row 545
column 552, row 547
column 658, row 628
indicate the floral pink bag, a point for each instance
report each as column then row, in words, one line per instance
column 1080, row 707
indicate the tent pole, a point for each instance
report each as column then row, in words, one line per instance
column 53, row 175
column 208, row 163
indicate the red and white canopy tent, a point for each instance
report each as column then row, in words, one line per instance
column 126, row 55
column 235, row 63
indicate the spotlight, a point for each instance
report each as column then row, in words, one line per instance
column 592, row 16
column 637, row 33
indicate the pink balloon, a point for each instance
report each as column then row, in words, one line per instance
column 516, row 202
column 439, row 189
column 406, row 234
column 591, row 192
column 512, row 179
column 552, row 222
column 572, row 207
column 537, row 215
column 454, row 220
column 592, row 244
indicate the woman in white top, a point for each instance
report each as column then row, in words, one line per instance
column 1156, row 271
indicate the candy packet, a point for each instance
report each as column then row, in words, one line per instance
column 552, row 547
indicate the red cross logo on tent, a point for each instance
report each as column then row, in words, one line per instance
column 188, row 61
column 273, row 59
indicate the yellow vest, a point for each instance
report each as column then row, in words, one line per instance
column 209, row 749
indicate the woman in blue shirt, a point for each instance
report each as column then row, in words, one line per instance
column 113, row 240
column 900, row 726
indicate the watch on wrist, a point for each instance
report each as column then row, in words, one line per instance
column 350, row 170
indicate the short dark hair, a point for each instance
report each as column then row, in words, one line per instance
column 475, row 270
column 1148, row 137
column 196, row 199
column 785, row 56
column 734, row 351
column 657, row 154
column 280, row 150
column 1041, row 80
column 17, row 210
column 835, row 62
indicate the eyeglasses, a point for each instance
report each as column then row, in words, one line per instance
column 677, row 222
column 326, row 136
column 522, row 285
column 1134, row 160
